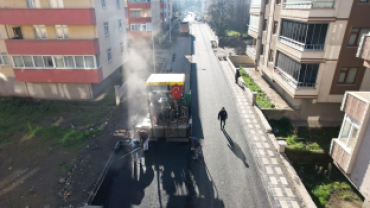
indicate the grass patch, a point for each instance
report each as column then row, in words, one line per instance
column 304, row 138
column 262, row 100
column 324, row 180
column 233, row 33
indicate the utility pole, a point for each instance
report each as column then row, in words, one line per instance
column 152, row 5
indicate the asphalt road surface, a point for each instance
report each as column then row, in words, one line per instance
column 227, row 176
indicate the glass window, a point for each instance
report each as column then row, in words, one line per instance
column 353, row 138
column 48, row 60
column 118, row 3
column 363, row 32
column 89, row 62
column 135, row 13
column 39, row 62
column 342, row 76
column 59, row 30
column 345, row 131
column 351, row 75
column 356, row 35
column 66, row 31
column 109, row 55
column 40, row 31
column 106, row 29
column 4, row 59
column 18, row 62
column 56, row 4
column 28, row 61
column 59, row 62
column 352, row 39
column 68, row 60
column 98, row 63
column 33, row 4
column 103, row 4
column 79, row 61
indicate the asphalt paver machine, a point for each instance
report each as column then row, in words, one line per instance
column 168, row 108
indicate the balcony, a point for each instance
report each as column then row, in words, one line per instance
column 139, row 4
column 364, row 50
column 292, row 82
column 140, row 19
column 308, row 4
column 340, row 155
column 65, row 16
column 251, row 49
column 52, row 47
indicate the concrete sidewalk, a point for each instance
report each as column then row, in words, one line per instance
column 274, row 174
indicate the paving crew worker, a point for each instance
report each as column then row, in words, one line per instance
column 144, row 139
column 195, row 144
column 223, row 116
column 135, row 150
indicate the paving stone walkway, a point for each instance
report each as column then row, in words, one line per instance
column 274, row 175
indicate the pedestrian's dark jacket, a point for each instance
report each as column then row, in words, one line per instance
column 195, row 142
column 222, row 115
column 237, row 74
column 143, row 136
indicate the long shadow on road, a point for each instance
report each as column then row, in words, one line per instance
column 235, row 148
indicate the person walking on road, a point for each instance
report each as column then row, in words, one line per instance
column 135, row 150
column 223, row 116
column 237, row 75
column 195, row 144
column 144, row 139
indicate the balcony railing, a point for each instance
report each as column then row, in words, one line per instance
column 253, row 28
column 301, row 46
column 292, row 82
column 308, row 4
column 251, row 49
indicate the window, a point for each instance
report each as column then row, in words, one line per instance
column 120, row 25
column 28, row 63
column 262, row 46
column 356, row 35
column 103, row 4
column 295, row 73
column 33, row 4
column 121, row 47
column 4, row 60
column 275, row 27
column 278, row 1
column 303, row 36
column 271, row 56
column 98, row 63
column 264, row 25
column 40, row 31
column 364, row 1
column 79, row 62
column 349, row 133
column 347, row 76
column 118, row 4
column 68, row 62
column 39, row 62
column 109, row 55
column 18, row 62
column 62, row 31
column 134, row 13
column 106, row 29
column 48, row 61
column 253, row 22
column 89, row 62
column 56, row 4
column 139, row 27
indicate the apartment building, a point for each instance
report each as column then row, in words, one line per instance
column 147, row 19
column 61, row 49
column 306, row 49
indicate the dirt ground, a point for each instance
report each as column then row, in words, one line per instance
column 337, row 202
column 30, row 168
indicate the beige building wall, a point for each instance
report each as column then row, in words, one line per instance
column 111, row 14
column 46, row 3
column 68, row 91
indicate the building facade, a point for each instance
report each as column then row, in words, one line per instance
column 350, row 151
column 148, row 19
column 307, row 51
column 61, row 49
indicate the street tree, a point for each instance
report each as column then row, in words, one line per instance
column 220, row 13
column 240, row 15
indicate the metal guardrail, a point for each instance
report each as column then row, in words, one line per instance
column 301, row 46
column 308, row 4
column 293, row 82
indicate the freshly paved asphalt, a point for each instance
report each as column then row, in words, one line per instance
column 226, row 177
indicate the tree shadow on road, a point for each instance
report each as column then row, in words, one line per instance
column 235, row 148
